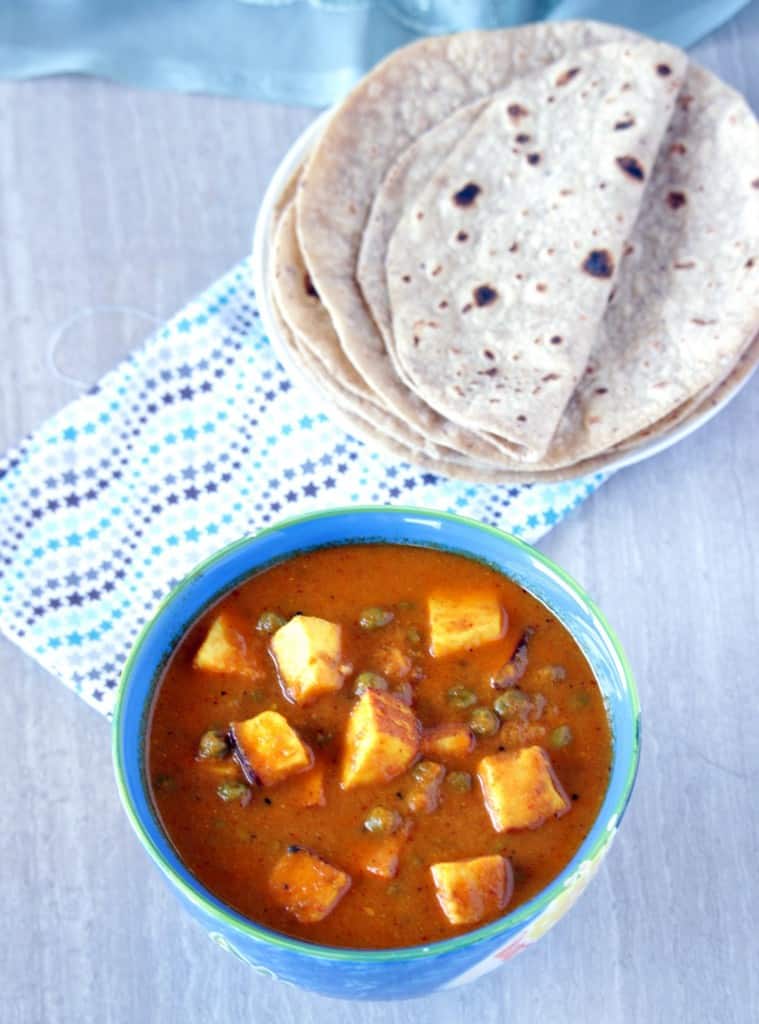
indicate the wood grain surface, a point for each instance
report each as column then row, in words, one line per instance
column 118, row 198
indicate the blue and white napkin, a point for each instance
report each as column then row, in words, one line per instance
column 197, row 439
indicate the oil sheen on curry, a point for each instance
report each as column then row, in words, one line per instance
column 375, row 746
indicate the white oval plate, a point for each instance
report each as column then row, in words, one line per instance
column 261, row 262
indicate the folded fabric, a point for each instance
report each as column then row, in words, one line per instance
column 197, row 439
column 305, row 51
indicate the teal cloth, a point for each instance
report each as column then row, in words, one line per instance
column 303, row 51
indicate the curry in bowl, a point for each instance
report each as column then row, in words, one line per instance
column 376, row 746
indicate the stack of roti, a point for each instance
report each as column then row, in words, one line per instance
column 516, row 255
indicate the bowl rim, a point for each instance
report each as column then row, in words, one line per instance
column 215, row 908
column 261, row 259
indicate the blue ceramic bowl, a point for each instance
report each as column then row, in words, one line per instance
column 395, row 973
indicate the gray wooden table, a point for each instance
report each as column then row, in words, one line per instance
column 113, row 197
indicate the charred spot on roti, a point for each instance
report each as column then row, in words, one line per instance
column 701, row 322
column 466, row 307
column 308, row 286
column 599, row 263
column 485, row 295
column 684, row 100
column 601, row 391
column 492, row 371
column 522, row 418
column 516, row 111
column 632, row 167
column 621, row 126
column 755, row 183
column 676, row 199
column 406, row 278
column 420, row 214
column 549, row 377
column 541, row 287
column 488, row 354
column 556, row 339
column 523, row 137
column 567, row 76
column 688, row 265
column 467, row 195
column 663, row 70
column 442, row 305
column 749, row 263
column 677, row 149
column 462, row 236
column 533, row 158
column 514, row 247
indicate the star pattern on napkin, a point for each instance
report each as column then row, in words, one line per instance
column 197, row 439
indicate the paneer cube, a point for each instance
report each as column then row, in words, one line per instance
column 307, row 652
column 520, row 789
column 462, row 621
column 225, row 651
column 269, row 749
column 380, row 856
column 469, row 891
column 381, row 739
column 448, row 742
column 306, row 886
column 308, row 789
column 423, row 792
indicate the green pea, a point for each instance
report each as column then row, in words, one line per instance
column 424, row 771
column 460, row 781
column 461, row 697
column 413, row 636
column 484, row 722
column 537, row 706
column 213, row 744
column 547, row 674
column 369, row 681
column 512, row 704
column 270, row 622
column 579, row 700
column 561, row 736
column 230, row 791
column 375, row 618
column 382, row 821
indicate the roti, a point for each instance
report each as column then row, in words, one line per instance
column 410, row 91
column 500, row 271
